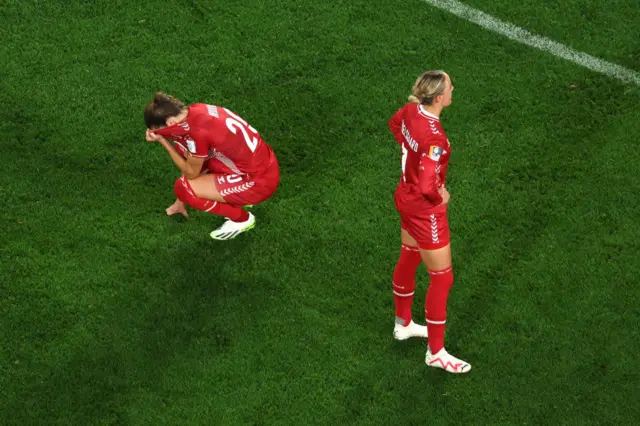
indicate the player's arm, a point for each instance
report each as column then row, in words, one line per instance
column 395, row 125
column 189, row 165
column 428, row 175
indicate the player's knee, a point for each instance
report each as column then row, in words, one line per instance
column 442, row 278
column 410, row 255
column 448, row 277
column 182, row 189
column 405, row 288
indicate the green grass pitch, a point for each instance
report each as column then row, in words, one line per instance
column 113, row 313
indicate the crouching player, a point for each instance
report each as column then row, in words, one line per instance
column 421, row 198
column 243, row 169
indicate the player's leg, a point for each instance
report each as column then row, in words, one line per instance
column 256, row 188
column 404, row 285
column 244, row 190
column 436, row 254
column 178, row 206
column 231, row 192
column 438, row 262
column 202, row 193
column 204, row 186
column 226, row 187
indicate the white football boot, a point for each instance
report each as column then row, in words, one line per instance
column 231, row 229
column 400, row 332
column 447, row 362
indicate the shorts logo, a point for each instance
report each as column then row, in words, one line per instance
column 230, row 179
column 435, row 152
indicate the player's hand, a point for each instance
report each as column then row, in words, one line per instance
column 444, row 194
column 152, row 136
column 177, row 207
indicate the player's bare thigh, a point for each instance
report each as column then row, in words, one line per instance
column 205, row 187
column 435, row 260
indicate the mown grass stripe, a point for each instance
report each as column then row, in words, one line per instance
column 525, row 37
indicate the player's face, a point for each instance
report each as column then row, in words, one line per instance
column 448, row 89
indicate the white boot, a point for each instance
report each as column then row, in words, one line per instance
column 401, row 332
column 231, row 229
column 447, row 362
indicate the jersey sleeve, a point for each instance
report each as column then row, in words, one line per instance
column 429, row 174
column 193, row 142
column 199, row 144
column 182, row 149
column 395, row 125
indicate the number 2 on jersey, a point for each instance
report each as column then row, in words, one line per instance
column 235, row 123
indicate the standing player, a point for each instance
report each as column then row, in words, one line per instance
column 421, row 198
column 244, row 169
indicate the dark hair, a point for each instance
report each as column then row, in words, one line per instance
column 160, row 108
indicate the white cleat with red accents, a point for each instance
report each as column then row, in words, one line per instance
column 447, row 362
column 401, row 332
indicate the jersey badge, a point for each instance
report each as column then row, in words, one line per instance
column 191, row 145
column 435, row 152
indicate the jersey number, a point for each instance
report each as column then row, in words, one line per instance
column 405, row 151
column 235, row 123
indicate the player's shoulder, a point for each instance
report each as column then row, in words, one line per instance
column 202, row 111
column 203, row 114
column 432, row 138
column 409, row 109
column 197, row 109
column 433, row 128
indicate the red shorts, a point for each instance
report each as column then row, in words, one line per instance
column 242, row 190
column 429, row 229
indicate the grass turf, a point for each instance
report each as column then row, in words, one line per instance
column 115, row 314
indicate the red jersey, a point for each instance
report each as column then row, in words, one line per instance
column 220, row 136
column 425, row 158
column 182, row 149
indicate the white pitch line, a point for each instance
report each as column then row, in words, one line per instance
column 525, row 37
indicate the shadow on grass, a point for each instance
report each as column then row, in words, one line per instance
column 125, row 349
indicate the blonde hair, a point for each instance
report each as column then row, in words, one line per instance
column 429, row 85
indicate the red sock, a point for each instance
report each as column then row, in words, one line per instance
column 404, row 282
column 185, row 193
column 435, row 307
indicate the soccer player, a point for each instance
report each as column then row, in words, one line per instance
column 421, row 198
column 243, row 168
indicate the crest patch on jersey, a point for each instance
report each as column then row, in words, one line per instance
column 435, row 152
column 191, row 145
